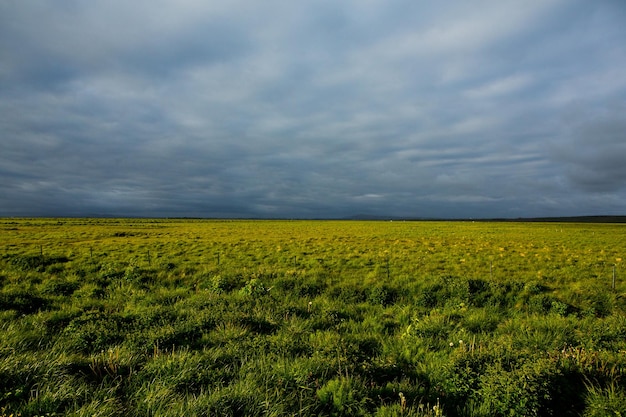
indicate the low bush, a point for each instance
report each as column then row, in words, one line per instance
column 525, row 389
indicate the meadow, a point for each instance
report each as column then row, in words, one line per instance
column 172, row 317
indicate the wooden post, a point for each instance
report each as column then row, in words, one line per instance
column 613, row 276
column 491, row 270
column 218, row 258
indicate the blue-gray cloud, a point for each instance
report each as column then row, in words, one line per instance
column 312, row 109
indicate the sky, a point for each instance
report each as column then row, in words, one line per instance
column 312, row 108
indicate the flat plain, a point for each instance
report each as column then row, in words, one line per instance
column 182, row 317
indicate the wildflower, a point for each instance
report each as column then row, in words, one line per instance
column 451, row 344
column 437, row 409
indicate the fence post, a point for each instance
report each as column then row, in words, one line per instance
column 614, row 276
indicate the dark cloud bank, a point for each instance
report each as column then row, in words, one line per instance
column 312, row 108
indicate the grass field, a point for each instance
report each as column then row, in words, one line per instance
column 147, row 317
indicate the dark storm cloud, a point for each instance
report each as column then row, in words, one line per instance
column 595, row 153
column 312, row 109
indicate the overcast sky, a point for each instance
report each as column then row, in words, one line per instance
column 312, row 108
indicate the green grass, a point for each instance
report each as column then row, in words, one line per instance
column 153, row 317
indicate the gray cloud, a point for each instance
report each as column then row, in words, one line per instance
column 312, row 109
column 595, row 151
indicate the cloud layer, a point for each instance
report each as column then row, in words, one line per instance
column 312, row 108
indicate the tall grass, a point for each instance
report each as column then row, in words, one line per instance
column 172, row 317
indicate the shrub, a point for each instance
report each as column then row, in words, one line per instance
column 217, row 284
column 523, row 390
column 254, row 288
column 559, row 308
column 461, row 376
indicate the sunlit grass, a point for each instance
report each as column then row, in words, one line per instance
column 204, row 317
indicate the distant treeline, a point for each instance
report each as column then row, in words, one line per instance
column 569, row 219
column 578, row 219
